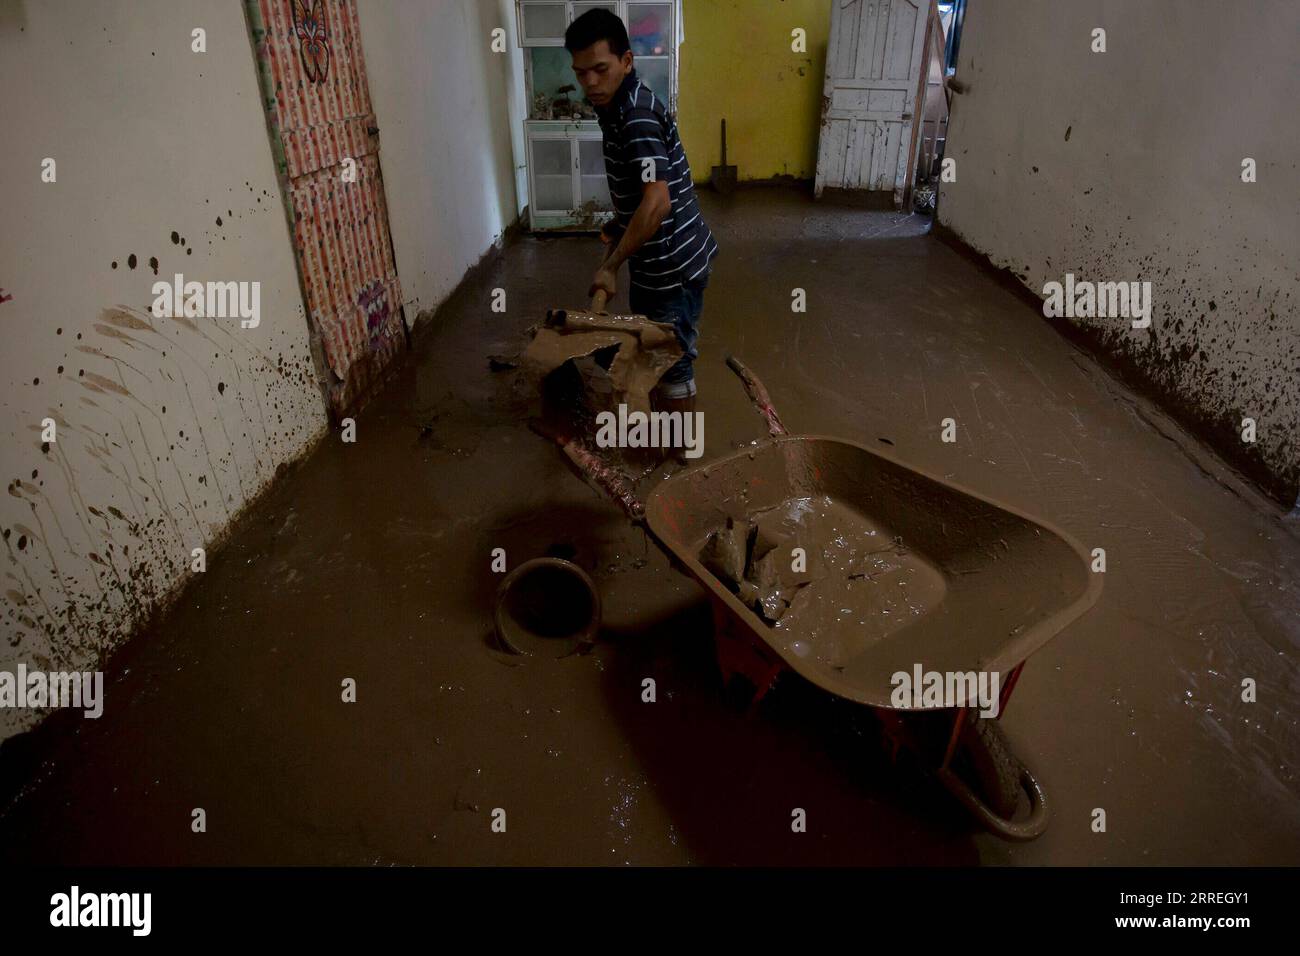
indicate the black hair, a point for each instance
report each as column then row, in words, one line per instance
column 593, row 26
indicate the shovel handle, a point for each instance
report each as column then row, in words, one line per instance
column 610, row 246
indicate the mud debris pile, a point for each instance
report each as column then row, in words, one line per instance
column 822, row 572
column 754, row 559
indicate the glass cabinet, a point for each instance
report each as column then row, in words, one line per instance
column 566, row 167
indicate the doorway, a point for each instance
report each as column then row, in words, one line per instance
column 869, row 101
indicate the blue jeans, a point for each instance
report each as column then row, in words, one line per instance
column 681, row 307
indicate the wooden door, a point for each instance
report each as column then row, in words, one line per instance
column 873, row 65
column 327, row 147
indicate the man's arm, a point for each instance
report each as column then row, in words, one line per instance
column 655, row 204
column 645, row 145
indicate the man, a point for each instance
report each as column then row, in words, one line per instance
column 657, row 227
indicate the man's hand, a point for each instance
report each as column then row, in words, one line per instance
column 610, row 234
column 655, row 205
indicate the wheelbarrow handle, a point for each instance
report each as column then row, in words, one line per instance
column 595, row 469
column 758, row 395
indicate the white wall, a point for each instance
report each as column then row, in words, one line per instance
column 450, row 114
column 164, row 429
column 1148, row 187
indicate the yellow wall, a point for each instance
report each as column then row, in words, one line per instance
column 737, row 64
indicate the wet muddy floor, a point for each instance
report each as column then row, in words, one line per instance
column 372, row 561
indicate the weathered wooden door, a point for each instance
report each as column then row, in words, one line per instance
column 873, row 64
column 325, row 136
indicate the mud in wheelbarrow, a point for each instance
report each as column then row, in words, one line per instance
column 915, row 575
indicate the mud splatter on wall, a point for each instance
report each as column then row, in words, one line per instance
column 1112, row 168
column 128, row 438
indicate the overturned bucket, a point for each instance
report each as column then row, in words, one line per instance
column 547, row 607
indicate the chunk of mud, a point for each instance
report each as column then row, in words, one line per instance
column 770, row 533
column 775, row 603
column 723, row 553
column 749, row 594
column 766, row 573
column 776, row 568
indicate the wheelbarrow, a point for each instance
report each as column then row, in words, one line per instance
column 999, row 585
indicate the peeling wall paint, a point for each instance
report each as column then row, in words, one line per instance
column 1126, row 165
column 165, row 427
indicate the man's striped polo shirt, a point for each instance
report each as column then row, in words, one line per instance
column 637, row 127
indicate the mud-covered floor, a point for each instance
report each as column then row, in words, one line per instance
column 372, row 561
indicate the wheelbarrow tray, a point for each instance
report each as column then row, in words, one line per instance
column 1003, row 583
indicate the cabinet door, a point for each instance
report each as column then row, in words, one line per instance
column 542, row 23
column 551, row 162
column 656, row 73
column 580, row 8
column 592, row 182
column 653, row 37
column 549, row 70
column 650, row 28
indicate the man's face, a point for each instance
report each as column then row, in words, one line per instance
column 600, row 73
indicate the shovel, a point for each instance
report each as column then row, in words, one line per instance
column 596, row 319
column 723, row 178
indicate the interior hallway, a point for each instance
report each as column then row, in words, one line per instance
column 371, row 561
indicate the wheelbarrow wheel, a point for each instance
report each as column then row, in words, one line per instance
column 985, row 757
column 995, row 769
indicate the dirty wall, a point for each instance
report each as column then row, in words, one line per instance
column 774, row 114
column 451, row 113
column 126, row 440
column 1127, row 165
